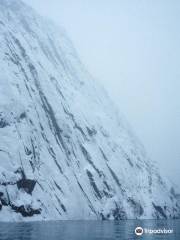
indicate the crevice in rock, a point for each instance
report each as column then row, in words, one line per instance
column 160, row 210
column 88, row 158
column 93, row 184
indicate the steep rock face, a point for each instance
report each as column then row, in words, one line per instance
column 65, row 153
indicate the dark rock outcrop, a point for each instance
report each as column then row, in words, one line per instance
column 26, row 184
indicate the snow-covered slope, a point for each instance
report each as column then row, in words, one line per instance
column 65, row 153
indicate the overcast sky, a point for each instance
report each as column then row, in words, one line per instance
column 133, row 48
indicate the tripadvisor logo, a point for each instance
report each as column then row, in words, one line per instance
column 139, row 231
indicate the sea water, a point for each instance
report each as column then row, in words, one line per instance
column 90, row 230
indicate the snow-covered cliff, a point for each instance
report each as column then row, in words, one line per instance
column 65, row 152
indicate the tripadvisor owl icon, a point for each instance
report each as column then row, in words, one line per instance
column 139, row 231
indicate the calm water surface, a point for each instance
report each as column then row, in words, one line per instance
column 86, row 230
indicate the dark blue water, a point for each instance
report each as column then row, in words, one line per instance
column 86, row 230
